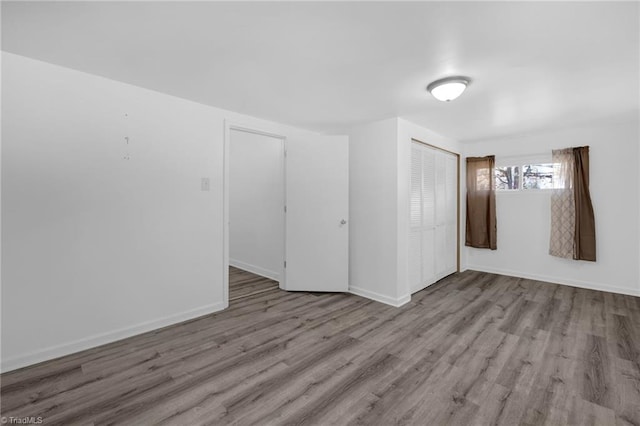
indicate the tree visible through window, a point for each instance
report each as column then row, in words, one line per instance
column 537, row 176
column 507, row 177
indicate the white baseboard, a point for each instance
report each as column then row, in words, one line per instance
column 255, row 269
column 380, row 297
column 68, row 348
column 555, row 280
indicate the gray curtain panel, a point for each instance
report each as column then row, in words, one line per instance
column 481, row 228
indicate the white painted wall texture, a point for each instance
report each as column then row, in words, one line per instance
column 95, row 246
column 373, row 176
column 524, row 217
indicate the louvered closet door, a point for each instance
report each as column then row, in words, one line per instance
column 433, row 228
column 451, row 223
column 415, row 219
column 441, row 214
column 429, row 201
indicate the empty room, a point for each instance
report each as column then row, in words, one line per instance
column 320, row 213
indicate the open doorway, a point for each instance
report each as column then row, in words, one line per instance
column 256, row 176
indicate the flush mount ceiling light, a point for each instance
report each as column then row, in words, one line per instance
column 447, row 89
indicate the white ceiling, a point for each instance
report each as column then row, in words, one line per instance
column 328, row 66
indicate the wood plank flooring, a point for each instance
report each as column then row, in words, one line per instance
column 245, row 284
column 473, row 349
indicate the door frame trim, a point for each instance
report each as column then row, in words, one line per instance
column 248, row 128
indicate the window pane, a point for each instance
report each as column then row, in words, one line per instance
column 507, row 178
column 537, row 176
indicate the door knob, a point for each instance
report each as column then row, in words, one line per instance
column 343, row 222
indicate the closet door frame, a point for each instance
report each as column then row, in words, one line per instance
column 457, row 156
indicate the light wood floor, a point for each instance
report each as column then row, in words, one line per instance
column 474, row 349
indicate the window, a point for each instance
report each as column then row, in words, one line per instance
column 507, row 178
column 537, row 176
column 525, row 177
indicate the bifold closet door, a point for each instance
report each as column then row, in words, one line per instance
column 429, row 201
column 433, row 222
column 451, row 219
column 415, row 220
column 422, row 220
column 446, row 214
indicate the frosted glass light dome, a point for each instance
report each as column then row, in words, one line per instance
column 447, row 89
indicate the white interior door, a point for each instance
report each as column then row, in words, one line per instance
column 317, row 228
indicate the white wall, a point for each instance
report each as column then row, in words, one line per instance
column 256, row 203
column 524, row 218
column 373, row 211
column 94, row 244
column 95, row 247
